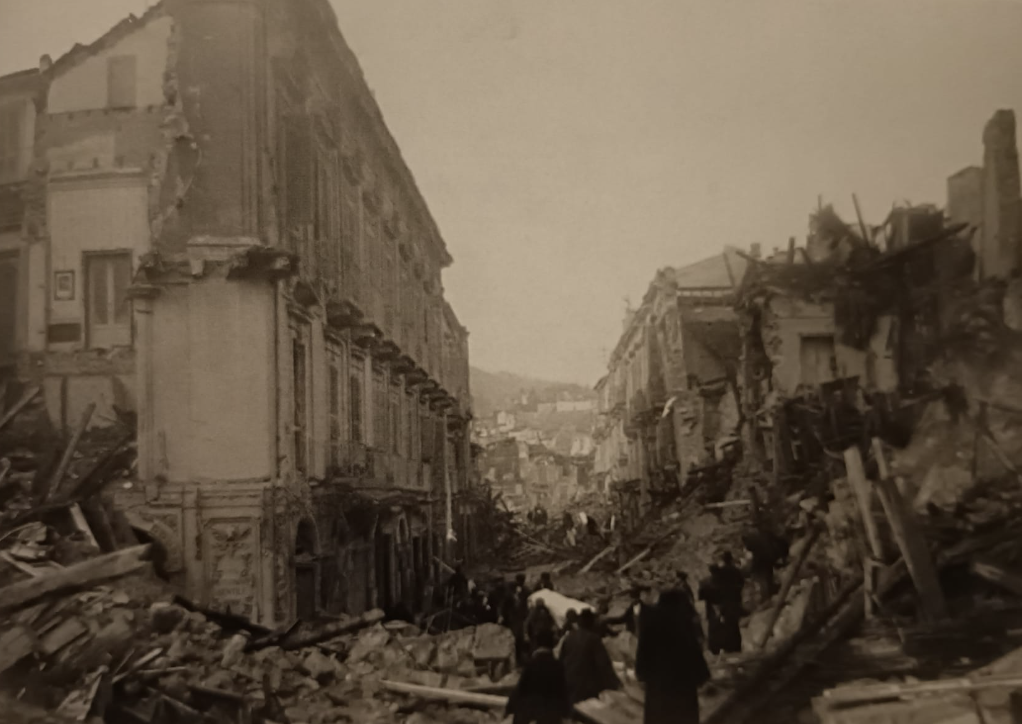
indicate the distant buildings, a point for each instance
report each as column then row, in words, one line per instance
column 539, row 451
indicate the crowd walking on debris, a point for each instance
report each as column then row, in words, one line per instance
column 565, row 663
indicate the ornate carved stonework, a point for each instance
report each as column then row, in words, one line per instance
column 281, row 561
column 232, row 565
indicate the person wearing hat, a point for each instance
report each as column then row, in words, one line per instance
column 669, row 662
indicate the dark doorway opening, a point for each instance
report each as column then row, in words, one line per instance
column 306, row 574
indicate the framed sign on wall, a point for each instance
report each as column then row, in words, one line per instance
column 64, row 285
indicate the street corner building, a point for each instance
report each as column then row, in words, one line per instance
column 205, row 223
column 669, row 402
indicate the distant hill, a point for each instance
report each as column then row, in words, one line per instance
column 492, row 391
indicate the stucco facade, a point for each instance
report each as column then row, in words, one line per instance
column 671, row 372
column 236, row 252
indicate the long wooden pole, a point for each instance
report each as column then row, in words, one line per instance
column 789, row 581
column 69, row 452
column 910, row 540
column 25, row 399
column 864, row 494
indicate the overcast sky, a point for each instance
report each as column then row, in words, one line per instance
column 569, row 148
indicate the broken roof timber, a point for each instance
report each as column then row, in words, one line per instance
column 121, row 30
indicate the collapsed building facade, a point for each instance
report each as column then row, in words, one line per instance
column 670, row 396
column 218, row 237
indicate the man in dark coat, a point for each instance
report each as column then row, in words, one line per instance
column 730, row 583
column 633, row 616
column 521, row 591
column 709, row 593
column 586, row 661
column 669, row 661
column 541, row 696
column 457, row 584
column 539, row 623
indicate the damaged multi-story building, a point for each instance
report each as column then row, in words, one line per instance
column 18, row 318
column 857, row 319
column 669, row 400
column 221, row 237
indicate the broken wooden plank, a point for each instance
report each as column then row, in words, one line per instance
column 597, row 558
column 230, row 622
column 65, row 460
column 911, row 541
column 789, row 581
column 18, row 406
column 321, row 634
column 726, row 504
column 633, row 561
column 649, row 549
column 997, row 575
column 15, row 644
column 86, row 573
column 452, row 696
column 858, row 695
column 864, row 495
column 77, row 705
column 33, row 571
column 99, row 474
column 81, row 524
column 62, row 635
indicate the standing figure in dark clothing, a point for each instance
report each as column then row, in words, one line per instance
column 539, row 623
column 541, row 696
column 709, row 593
column 570, row 621
column 637, row 610
column 697, row 624
column 586, row 661
column 730, row 583
column 457, row 584
column 521, row 591
column 512, row 615
column 593, row 527
column 768, row 550
column 670, row 663
column 545, row 582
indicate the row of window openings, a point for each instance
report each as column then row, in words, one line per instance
column 394, row 428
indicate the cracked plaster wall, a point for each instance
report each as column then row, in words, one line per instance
column 786, row 320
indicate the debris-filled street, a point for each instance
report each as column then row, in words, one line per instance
column 250, row 471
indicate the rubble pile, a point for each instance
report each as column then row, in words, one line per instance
column 129, row 657
column 89, row 633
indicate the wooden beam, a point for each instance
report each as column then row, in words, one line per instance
column 998, row 575
column 58, row 475
column 864, row 494
column 789, row 581
column 862, row 224
column 452, row 696
column 86, row 573
column 598, row 557
column 911, row 541
column 25, row 399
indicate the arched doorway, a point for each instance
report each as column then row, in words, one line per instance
column 382, row 553
column 306, row 569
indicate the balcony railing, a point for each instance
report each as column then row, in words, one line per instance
column 354, row 461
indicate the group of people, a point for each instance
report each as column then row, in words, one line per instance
column 669, row 659
column 564, row 665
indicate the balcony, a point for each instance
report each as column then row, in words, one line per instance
column 354, row 461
